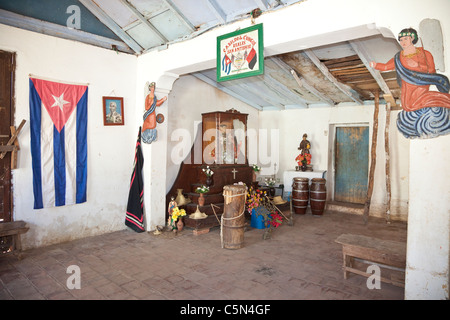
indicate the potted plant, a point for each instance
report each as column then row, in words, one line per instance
column 201, row 190
column 177, row 221
column 208, row 172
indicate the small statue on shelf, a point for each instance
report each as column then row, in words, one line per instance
column 304, row 158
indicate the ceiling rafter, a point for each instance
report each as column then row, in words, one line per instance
column 361, row 51
column 219, row 13
column 110, row 23
column 56, row 30
column 179, row 14
column 347, row 91
column 224, row 89
column 302, row 82
column 143, row 20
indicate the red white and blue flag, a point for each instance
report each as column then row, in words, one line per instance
column 58, row 125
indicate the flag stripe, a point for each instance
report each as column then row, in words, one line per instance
column 35, row 132
column 47, row 165
column 71, row 160
column 81, row 170
column 59, row 166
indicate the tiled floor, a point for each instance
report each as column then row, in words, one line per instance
column 299, row 262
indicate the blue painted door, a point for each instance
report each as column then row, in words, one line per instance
column 351, row 164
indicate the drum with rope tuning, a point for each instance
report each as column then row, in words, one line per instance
column 233, row 218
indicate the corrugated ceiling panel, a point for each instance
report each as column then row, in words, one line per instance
column 144, row 36
column 117, row 11
column 149, row 8
column 170, row 25
column 198, row 17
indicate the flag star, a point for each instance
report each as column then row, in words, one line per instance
column 59, row 102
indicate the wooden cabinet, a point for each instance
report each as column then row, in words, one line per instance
column 224, row 138
column 223, row 144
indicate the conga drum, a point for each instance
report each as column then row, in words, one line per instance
column 300, row 194
column 233, row 218
column 318, row 195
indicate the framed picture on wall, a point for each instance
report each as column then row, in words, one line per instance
column 240, row 54
column 113, row 111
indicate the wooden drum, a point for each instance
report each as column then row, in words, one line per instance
column 300, row 194
column 318, row 194
column 233, row 218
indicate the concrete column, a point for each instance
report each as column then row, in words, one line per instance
column 427, row 269
column 155, row 160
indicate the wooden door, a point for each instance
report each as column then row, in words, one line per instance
column 351, row 164
column 6, row 120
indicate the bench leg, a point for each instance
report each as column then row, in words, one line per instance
column 347, row 262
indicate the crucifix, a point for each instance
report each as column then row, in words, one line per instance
column 234, row 173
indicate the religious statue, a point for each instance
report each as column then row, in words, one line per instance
column 171, row 207
column 425, row 113
column 149, row 133
column 304, row 158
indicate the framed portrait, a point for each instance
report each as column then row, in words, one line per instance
column 113, row 111
column 240, row 54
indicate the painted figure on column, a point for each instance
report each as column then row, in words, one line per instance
column 426, row 114
column 149, row 132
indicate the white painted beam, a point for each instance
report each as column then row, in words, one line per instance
column 109, row 22
column 143, row 20
column 56, row 30
column 222, row 88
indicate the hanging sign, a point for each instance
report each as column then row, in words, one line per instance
column 240, row 53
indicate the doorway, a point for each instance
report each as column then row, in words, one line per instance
column 7, row 66
column 351, row 163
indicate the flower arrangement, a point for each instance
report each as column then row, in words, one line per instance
column 254, row 199
column 202, row 189
column 303, row 159
column 208, row 171
column 256, row 168
column 270, row 182
column 176, row 213
column 257, row 198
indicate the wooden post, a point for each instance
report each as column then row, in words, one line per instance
column 388, row 171
column 14, row 136
column 373, row 158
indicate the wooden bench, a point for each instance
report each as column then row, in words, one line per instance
column 384, row 253
column 14, row 229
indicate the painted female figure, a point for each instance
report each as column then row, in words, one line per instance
column 426, row 113
column 149, row 133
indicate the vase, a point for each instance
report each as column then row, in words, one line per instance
column 303, row 167
column 201, row 200
column 180, row 200
column 209, row 181
column 180, row 224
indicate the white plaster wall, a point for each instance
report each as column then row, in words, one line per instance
column 316, row 122
column 110, row 149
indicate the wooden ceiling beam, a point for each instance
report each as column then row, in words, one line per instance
column 361, row 51
column 302, row 82
column 345, row 89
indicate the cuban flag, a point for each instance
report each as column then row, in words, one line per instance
column 58, row 125
column 226, row 64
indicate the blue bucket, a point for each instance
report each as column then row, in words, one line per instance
column 257, row 219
